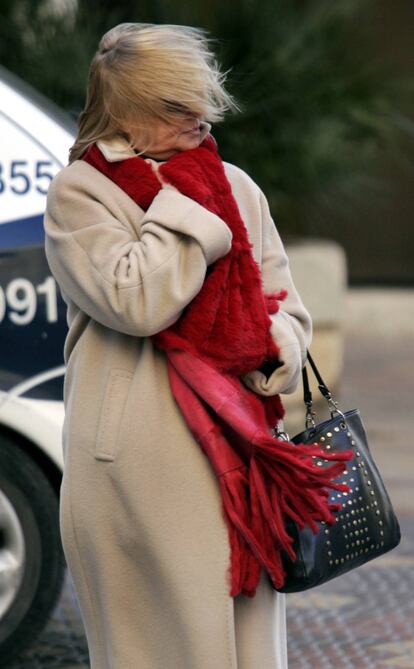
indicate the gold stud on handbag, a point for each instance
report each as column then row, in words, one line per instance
column 366, row 526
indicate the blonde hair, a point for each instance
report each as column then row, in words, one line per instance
column 143, row 71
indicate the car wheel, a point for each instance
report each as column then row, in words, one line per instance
column 32, row 563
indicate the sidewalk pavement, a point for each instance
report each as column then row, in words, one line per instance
column 364, row 619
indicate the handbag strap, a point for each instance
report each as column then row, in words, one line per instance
column 321, row 383
column 323, row 389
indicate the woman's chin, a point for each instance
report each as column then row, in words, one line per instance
column 190, row 141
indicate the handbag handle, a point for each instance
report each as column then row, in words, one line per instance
column 323, row 389
column 308, row 400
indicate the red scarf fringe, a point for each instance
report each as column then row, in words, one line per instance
column 263, row 480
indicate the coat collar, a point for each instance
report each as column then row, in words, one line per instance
column 117, row 147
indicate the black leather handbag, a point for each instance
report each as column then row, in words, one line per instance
column 366, row 526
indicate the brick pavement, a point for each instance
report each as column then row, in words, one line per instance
column 364, row 619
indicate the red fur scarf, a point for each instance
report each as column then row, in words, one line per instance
column 223, row 333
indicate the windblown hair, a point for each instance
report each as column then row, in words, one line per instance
column 144, row 71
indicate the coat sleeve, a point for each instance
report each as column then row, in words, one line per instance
column 291, row 326
column 136, row 281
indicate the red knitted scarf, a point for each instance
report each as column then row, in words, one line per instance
column 225, row 332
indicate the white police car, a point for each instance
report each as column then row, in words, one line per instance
column 35, row 137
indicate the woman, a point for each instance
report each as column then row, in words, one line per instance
column 142, row 521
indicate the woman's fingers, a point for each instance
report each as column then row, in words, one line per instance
column 155, row 168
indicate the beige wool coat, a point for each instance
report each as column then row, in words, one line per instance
column 140, row 510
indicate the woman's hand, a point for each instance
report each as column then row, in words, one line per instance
column 155, row 168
